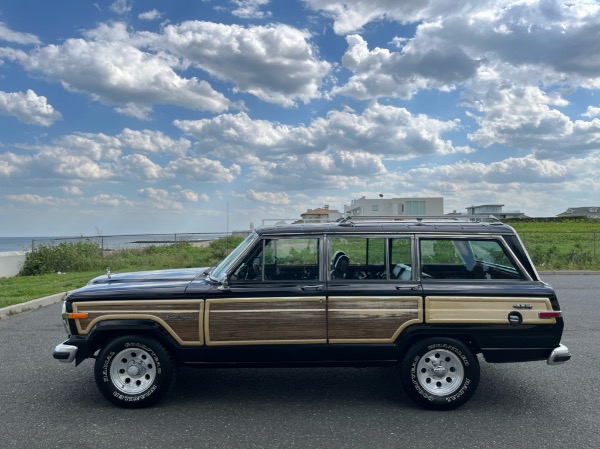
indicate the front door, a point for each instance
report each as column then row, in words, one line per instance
column 276, row 296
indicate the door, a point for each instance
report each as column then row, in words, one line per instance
column 276, row 296
column 372, row 293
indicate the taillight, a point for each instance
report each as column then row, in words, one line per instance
column 550, row 314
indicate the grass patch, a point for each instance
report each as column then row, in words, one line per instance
column 21, row 289
column 54, row 269
column 561, row 244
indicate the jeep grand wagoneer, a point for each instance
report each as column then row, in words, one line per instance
column 424, row 296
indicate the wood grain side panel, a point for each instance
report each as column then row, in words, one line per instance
column 371, row 320
column 489, row 310
column 183, row 320
column 256, row 321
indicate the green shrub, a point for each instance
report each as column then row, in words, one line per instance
column 70, row 257
column 64, row 257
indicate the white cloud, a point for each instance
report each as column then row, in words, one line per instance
column 250, row 9
column 512, row 170
column 381, row 130
column 526, row 117
column 153, row 14
column 382, row 73
column 190, row 196
column 152, row 142
column 28, row 107
column 352, row 16
column 138, row 166
column 121, row 7
column 8, row 35
column 111, row 201
column 72, row 190
column 276, row 63
column 113, row 70
column 34, row 199
column 202, row 170
column 268, row 197
column 592, row 111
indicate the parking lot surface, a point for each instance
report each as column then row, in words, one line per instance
column 46, row 404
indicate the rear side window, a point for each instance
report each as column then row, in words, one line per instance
column 474, row 259
column 357, row 258
column 369, row 258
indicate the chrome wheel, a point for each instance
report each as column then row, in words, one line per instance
column 133, row 371
column 440, row 372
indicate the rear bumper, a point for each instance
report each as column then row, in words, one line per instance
column 559, row 355
column 65, row 353
column 556, row 356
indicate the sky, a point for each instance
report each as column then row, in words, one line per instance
column 147, row 116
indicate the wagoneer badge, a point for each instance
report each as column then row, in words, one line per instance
column 522, row 306
column 180, row 316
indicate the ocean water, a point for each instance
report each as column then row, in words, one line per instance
column 8, row 244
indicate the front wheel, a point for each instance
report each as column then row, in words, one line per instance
column 440, row 373
column 134, row 371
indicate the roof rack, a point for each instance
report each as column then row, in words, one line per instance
column 481, row 218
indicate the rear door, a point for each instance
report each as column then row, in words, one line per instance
column 372, row 295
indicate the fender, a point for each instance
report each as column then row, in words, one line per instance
column 103, row 330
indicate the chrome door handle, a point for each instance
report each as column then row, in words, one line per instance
column 312, row 287
column 408, row 287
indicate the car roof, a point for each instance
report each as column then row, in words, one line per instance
column 411, row 226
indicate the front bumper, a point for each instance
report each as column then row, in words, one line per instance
column 65, row 353
column 559, row 355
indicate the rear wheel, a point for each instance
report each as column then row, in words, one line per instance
column 134, row 371
column 440, row 373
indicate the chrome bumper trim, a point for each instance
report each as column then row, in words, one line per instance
column 65, row 353
column 559, row 355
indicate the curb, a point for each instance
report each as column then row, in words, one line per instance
column 6, row 312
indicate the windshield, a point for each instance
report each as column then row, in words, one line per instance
column 219, row 271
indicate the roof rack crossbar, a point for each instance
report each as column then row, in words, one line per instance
column 424, row 218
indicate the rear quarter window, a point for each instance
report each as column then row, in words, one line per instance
column 473, row 259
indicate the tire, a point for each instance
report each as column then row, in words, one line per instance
column 440, row 373
column 134, row 371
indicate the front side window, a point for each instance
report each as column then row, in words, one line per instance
column 466, row 259
column 281, row 259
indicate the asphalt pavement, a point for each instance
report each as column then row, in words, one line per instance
column 46, row 404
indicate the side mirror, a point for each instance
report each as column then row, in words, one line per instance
column 224, row 284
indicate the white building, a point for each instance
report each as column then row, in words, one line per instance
column 395, row 207
column 495, row 210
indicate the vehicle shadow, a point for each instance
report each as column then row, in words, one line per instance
column 276, row 386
